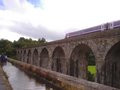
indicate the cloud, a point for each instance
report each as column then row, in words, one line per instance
column 25, row 23
column 52, row 19
column 6, row 34
column 28, row 29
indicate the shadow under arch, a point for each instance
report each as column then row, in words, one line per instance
column 29, row 57
column 111, row 67
column 81, row 57
column 21, row 55
column 35, row 57
column 58, row 57
column 24, row 55
column 44, row 58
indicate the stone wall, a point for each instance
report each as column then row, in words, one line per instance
column 62, row 55
column 61, row 80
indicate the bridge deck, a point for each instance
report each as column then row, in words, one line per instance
column 103, row 34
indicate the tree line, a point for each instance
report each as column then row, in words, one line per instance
column 9, row 48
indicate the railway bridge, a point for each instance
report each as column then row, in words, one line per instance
column 71, row 56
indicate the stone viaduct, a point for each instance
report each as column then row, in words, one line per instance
column 70, row 56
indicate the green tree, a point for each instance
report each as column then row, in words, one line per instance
column 5, row 47
column 9, row 48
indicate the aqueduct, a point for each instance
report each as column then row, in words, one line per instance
column 70, row 56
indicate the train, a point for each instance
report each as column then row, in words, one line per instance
column 99, row 28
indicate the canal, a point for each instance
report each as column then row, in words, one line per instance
column 19, row 80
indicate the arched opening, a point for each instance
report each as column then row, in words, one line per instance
column 24, row 56
column 112, row 67
column 58, row 57
column 81, row 60
column 18, row 55
column 35, row 57
column 44, row 58
column 29, row 57
column 21, row 56
column 17, row 52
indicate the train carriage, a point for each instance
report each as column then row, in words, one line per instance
column 116, row 24
column 106, row 26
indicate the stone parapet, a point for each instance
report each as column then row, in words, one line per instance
column 61, row 80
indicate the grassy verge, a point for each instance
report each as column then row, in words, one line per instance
column 92, row 69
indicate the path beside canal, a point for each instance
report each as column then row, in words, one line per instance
column 4, row 83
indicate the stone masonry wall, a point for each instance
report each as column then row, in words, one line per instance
column 100, row 43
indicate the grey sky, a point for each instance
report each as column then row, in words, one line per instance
column 52, row 19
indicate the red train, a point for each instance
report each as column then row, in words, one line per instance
column 106, row 26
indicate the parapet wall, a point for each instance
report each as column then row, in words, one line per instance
column 61, row 80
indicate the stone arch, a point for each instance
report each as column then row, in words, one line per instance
column 44, row 58
column 58, row 57
column 35, row 57
column 111, row 67
column 24, row 56
column 18, row 55
column 79, row 61
column 29, row 57
column 21, row 55
column 17, row 52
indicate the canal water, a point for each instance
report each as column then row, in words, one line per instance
column 21, row 81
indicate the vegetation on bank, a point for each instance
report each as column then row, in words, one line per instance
column 92, row 69
column 9, row 48
column 91, row 73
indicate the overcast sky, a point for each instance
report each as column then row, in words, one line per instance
column 52, row 19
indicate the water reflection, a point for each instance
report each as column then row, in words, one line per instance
column 20, row 81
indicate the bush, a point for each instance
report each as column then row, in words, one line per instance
column 91, row 77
